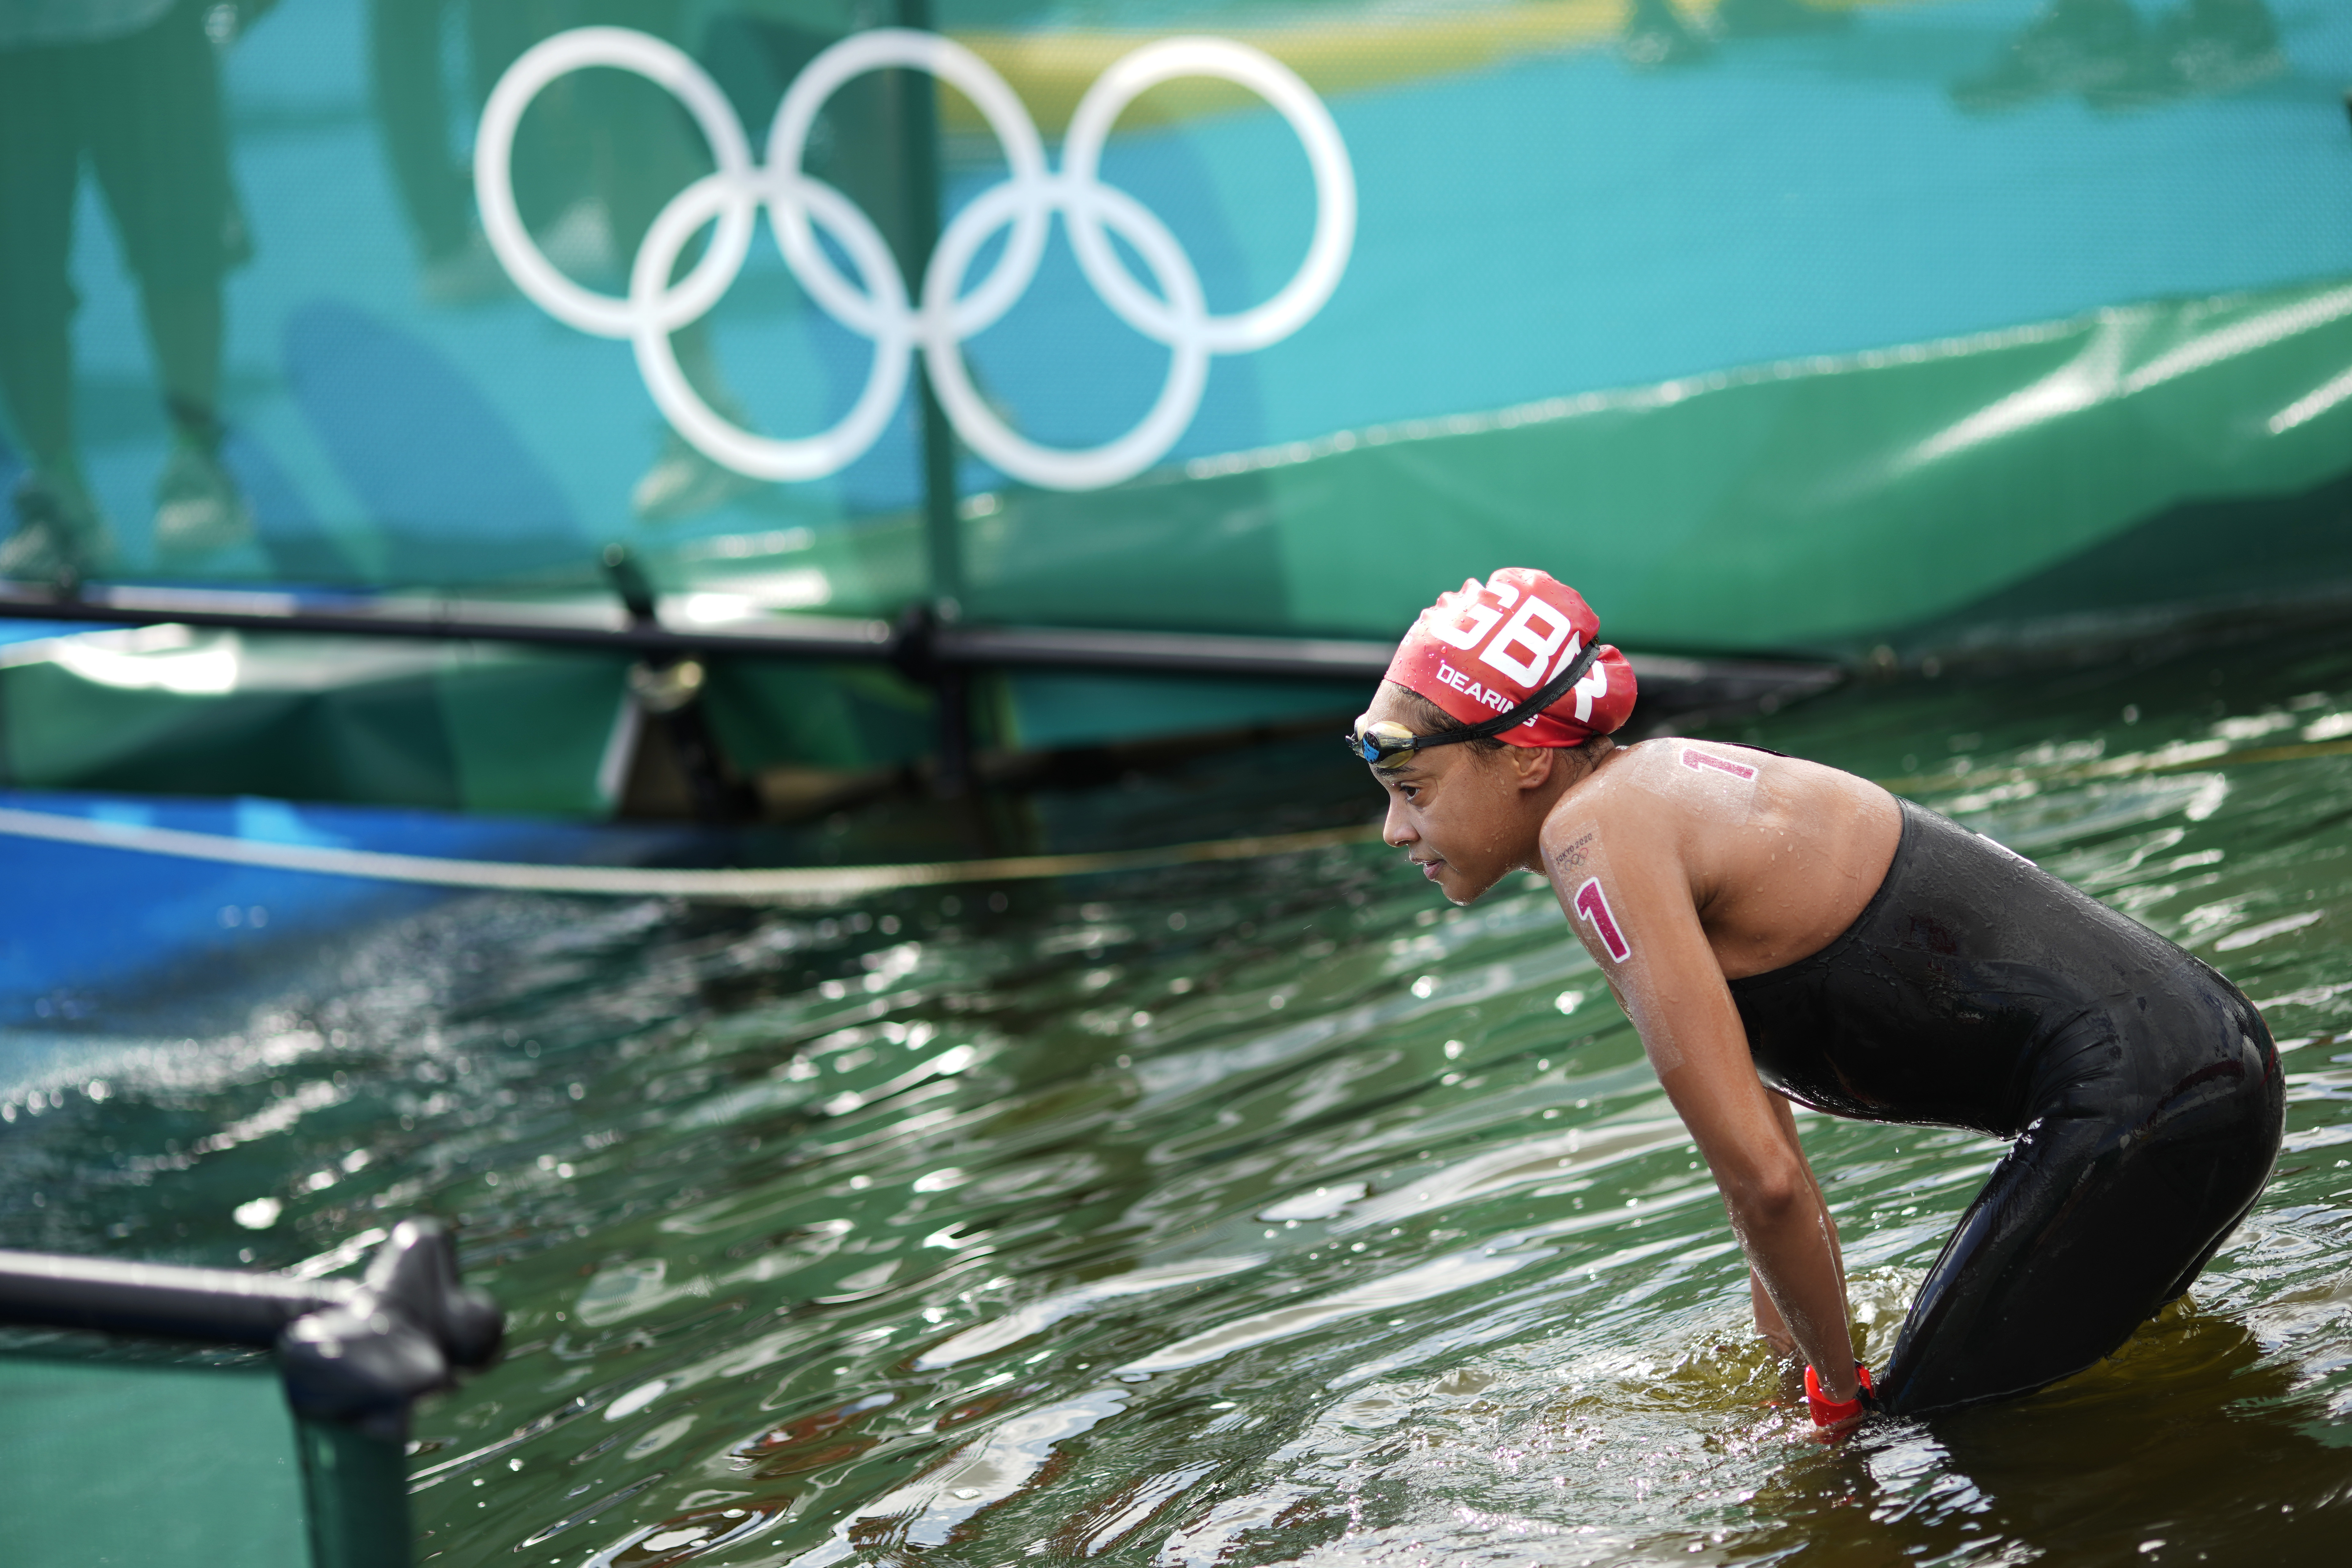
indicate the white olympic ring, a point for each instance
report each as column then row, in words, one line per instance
column 945, row 317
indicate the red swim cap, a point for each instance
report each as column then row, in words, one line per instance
column 1489, row 647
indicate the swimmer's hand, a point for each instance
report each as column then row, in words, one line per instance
column 1828, row 1412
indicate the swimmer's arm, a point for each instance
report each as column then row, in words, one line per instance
column 1769, row 1326
column 1767, row 1316
column 1655, row 955
column 1767, row 1188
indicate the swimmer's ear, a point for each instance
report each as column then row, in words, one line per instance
column 1531, row 766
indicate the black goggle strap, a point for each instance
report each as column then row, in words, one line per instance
column 1551, row 691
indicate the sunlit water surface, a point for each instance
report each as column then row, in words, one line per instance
column 1242, row 1214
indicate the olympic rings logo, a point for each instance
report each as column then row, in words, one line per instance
column 875, row 305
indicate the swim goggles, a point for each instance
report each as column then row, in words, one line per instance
column 1377, row 742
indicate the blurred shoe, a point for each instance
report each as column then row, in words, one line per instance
column 470, row 274
column 198, row 507
column 2205, row 48
column 683, row 482
column 1778, row 19
column 61, row 537
column 1657, row 37
column 2076, row 46
column 579, row 243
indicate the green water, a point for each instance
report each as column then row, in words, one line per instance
column 1252, row 1214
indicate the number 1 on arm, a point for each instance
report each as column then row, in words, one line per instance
column 1592, row 905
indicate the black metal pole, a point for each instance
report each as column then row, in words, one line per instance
column 216, row 1305
column 917, row 645
column 919, row 187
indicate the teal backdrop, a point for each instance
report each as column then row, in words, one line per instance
column 1776, row 327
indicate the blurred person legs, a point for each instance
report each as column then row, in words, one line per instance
column 411, row 91
column 642, row 149
column 158, row 143
column 1779, row 18
column 683, row 482
column 2199, row 49
column 198, row 507
column 554, row 187
column 144, row 106
column 454, row 266
column 857, row 144
column 1658, row 36
column 2075, row 45
column 59, row 533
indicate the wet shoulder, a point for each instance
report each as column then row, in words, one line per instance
column 1673, row 783
column 1673, row 761
column 1706, row 776
column 1651, row 786
column 1723, row 777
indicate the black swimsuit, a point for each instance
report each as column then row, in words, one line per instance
column 1977, row 990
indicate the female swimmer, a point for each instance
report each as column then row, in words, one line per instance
column 1772, row 924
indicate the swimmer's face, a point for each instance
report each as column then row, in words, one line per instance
column 1462, row 815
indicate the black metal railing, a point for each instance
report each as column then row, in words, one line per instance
column 354, row 1356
